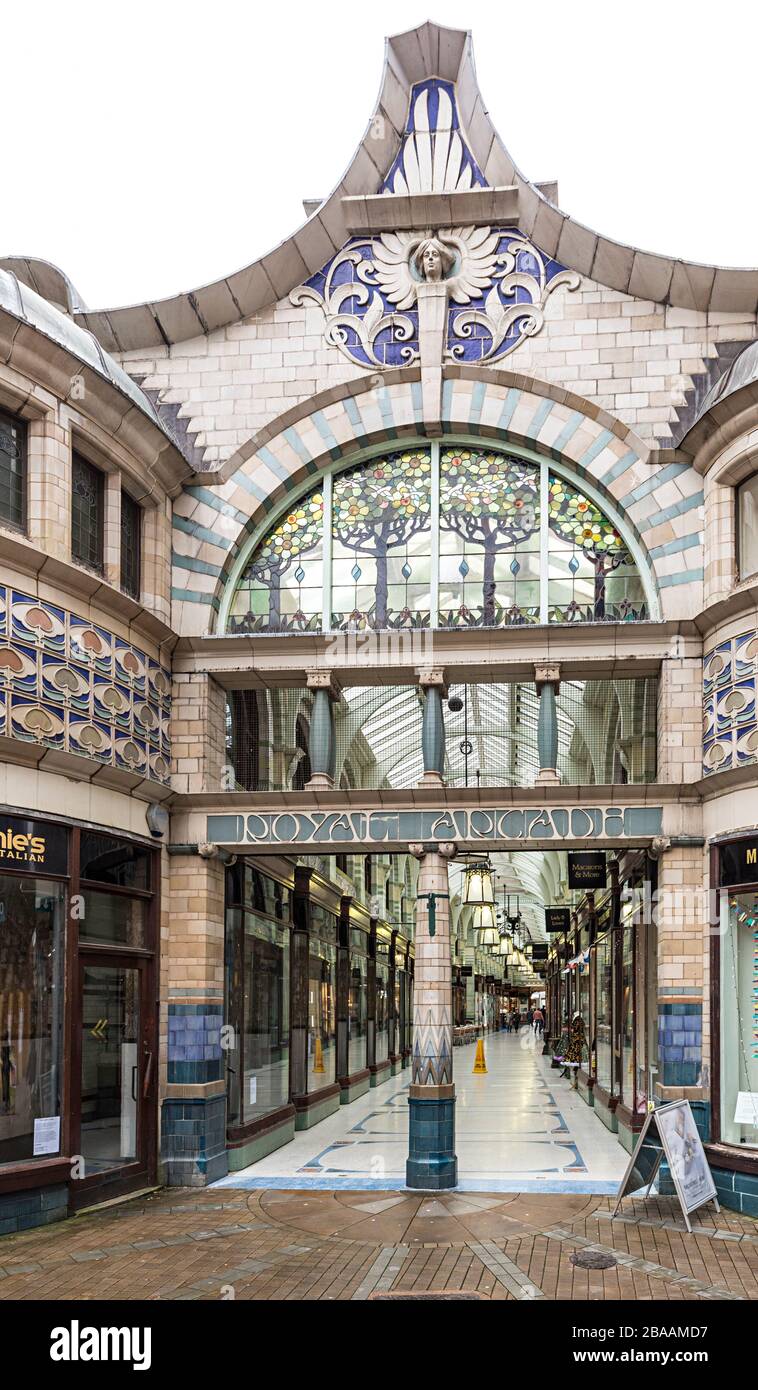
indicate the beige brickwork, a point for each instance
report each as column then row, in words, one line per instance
column 198, row 735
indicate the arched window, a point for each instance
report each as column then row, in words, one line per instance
column 450, row 536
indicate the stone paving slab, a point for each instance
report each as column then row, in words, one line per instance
column 358, row 1246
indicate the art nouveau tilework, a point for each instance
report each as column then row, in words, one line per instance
column 730, row 728
column 74, row 686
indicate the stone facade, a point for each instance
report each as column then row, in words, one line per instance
column 217, row 412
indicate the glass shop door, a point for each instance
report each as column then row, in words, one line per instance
column 116, row 1068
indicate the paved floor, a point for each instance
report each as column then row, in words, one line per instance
column 520, row 1128
column 355, row 1246
column 536, row 1167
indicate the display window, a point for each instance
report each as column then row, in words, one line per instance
column 257, row 997
column 604, row 1012
column 382, row 1024
column 739, row 1020
column 31, row 1015
column 357, row 1002
column 322, row 999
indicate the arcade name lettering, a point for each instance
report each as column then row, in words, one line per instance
column 25, row 849
column 403, row 827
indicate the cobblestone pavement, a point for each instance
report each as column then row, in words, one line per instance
column 277, row 1244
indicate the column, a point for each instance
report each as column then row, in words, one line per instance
column 547, row 679
column 431, row 1158
column 432, row 683
column 322, row 746
column 193, row 1111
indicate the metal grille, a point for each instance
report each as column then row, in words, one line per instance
column 12, row 470
column 87, row 514
column 131, row 545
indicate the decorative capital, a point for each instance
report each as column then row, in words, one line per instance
column 448, row 850
column 548, row 674
column 416, row 850
column 431, row 676
column 207, row 850
column 659, row 846
column 323, row 680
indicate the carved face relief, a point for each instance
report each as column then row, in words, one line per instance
column 431, row 262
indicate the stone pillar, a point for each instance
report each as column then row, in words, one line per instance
column 433, row 728
column 322, row 746
column 431, row 1158
column 683, row 945
column 547, row 680
column 432, row 314
column 193, row 1112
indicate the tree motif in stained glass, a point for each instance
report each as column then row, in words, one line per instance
column 585, row 551
column 281, row 588
column 489, row 519
column 381, row 515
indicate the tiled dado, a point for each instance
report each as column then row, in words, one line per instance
column 730, row 729
column 69, row 684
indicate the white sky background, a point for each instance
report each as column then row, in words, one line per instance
column 154, row 147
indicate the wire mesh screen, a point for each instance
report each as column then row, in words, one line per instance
column 606, row 734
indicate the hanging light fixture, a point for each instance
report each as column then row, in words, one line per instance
column 478, row 887
column 483, row 922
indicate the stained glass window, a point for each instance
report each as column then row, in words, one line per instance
column 131, row 545
column 12, row 467
column 591, row 575
column 381, row 538
column 87, row 513
column 489, row 540
column 281, row 588
column 516, row 544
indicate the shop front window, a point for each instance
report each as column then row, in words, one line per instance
column 382, row 1034
column 604, row 1013
column 257, row 996
column 265, row 1073
column 31, row 1011
column 322, row 1005
column 357, row 1007
column 739, row 1020
column 627, row 1016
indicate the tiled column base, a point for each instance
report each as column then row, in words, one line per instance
column 431, row 1163
column 193, row 1140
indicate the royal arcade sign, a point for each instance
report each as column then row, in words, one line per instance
column 509, row 827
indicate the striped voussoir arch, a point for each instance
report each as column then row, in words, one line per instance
column 662, row 503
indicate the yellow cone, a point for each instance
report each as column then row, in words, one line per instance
column 480, row 1066
column 318, row 1058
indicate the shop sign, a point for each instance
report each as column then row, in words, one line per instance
column 32, row 846
column 586, row 870
column 532, row 825
column 739, row 862
column 539, row 951
column 557, row 919
column 670, row 1132
column 466, row 971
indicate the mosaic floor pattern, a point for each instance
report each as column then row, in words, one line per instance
column 519, row 1128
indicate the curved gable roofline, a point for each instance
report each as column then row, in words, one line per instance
column 426, row 52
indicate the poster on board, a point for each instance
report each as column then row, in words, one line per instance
column 670, row 1132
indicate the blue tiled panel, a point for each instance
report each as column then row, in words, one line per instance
column 680, row 1043
column 193, row 1141
column 22, row 1211
column 194, row 1043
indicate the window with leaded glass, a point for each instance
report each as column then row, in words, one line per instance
column 131, row 545
column 381, row 520
column 87, row 513
column 12, row 470
column 281, row 588
column 489, row 539
column 442, row 535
